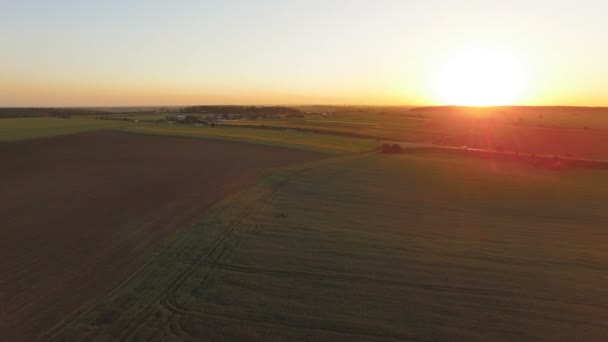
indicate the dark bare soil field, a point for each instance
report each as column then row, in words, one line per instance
column 80, row 213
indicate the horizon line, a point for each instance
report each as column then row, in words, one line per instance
column 289, row 105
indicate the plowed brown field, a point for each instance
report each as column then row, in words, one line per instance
column 79, row 213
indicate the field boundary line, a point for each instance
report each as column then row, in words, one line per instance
column 220, row 204
column 162, row 297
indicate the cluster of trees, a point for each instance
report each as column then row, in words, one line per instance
column 244, row 112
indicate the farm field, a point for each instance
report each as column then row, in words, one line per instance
column 304, row 171
column 285, row 138
column 374, row 125
column 30, row 128
column 419, row 247
column 578, row 143
column 547, row 116
column 579, row 132
column 82, row 212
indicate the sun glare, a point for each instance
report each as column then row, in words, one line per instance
column 479, row 77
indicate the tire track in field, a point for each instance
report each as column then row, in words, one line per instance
column 218, row 244
column 170, row 302
column 126, row 332
column 224, row 204
column 421, row 286
column 247, row 318
column 213, row 311
column 56, row 332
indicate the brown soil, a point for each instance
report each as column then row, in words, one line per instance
column 80, row 213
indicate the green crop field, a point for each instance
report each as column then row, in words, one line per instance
column 286, row 138
column 418, row 247
column 30, row 128
column 373, row 124
column 428, row 124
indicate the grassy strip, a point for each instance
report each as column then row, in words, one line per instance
column 337, row 145
column 32, row 128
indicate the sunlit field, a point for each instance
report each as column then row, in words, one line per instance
column 551, row 131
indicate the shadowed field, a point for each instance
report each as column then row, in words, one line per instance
column 411, row 247
column 82, row 212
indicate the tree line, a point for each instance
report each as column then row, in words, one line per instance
column 245, row 112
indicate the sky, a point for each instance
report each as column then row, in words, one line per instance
column 131, row 53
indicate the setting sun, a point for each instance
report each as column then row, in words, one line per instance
column 479, row 77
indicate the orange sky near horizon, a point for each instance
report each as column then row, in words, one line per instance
column 69, row 53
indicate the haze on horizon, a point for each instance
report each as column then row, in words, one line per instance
column 114, row 53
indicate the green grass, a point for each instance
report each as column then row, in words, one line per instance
column 20, row 129
column 307, row 141
column 374, row 247
column 389, row 126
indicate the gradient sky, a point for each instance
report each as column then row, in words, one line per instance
column 92, row 53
